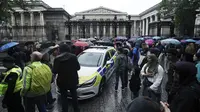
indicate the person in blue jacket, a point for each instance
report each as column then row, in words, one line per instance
column 136, row 54
column 197, row 59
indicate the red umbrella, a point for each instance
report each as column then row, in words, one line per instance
column 81, row 44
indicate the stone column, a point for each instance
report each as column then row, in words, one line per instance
column 124, row 30
column 12, row 19
column 41, row 19
column 151, row 19
column 22, row 23
column 147, row 26
column 104, row 30
column 72, row 30
column 143, row 26
column 98, row 30
column 140, row 28
column 135, row 29
column 77, row 31
column 111, row 30
column 42, row 25
column 118, row 29
column 31, row 18
column 91, row 30
column 156, row 17
column 31, row 22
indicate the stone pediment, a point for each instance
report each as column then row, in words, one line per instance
column 101, row 10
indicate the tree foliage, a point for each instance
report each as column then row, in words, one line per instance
column 184, row 12
column 7, row 5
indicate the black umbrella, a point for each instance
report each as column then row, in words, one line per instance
column 49, row 49
column 47, row 45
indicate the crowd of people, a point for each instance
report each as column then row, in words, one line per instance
column 164, row 78
column 162, row 75
column 26, row 83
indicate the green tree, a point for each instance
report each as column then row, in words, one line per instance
column 7, row 5
column 184, row 12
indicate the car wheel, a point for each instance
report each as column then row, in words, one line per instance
column 101, row 87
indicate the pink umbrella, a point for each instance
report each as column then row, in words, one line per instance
column 149, row 41
column 183, row 41
column 81, row 44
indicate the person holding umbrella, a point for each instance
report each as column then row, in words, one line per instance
column 10, row 86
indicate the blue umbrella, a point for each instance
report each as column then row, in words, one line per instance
column 132, row 39
column 121, row 38
column 198, row 42
column 190, row 41
column 156, row 38
column 138, row 39
column 170, row 41
column 147, row 37
column 7, row 46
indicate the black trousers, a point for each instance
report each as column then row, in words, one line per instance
column 119, row 74
column 31, row 102
column 16, row 104
column 126, row 78
column 64, row 99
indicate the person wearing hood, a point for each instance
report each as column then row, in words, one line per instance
column 66, row 66
column 170, row 61
column 187, row 95
column 151, row 78
column 129, row 66
column 145, row 104
column 120, row 66
column 189, row 52
column 136, row 54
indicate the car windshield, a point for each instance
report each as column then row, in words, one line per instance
column 90, row 59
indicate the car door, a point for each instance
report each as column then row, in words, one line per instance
column 113, row 58
column 106, row 66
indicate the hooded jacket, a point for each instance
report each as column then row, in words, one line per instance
column 187, row 96
column 143, row 104
column 66, row 66
column 121, row 62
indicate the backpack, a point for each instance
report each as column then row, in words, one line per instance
column 40, row 80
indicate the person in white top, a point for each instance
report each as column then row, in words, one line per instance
column 151, row 78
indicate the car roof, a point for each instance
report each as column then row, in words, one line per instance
column 99, row 49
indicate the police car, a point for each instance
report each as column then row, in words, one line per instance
column 97, row 66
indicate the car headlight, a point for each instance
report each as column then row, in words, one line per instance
column 89, row 82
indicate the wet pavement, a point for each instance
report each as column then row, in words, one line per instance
column 109, row 101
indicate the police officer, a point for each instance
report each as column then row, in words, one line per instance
column 11, row 85
column 36, row 83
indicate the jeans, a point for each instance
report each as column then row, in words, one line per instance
column 64, row 99
column 119, row 74
column 30, row 102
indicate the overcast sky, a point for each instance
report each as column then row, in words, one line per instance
column 129, row 6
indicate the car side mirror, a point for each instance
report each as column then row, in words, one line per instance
column 109, row 62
